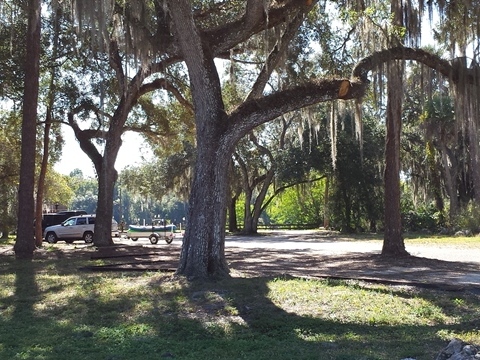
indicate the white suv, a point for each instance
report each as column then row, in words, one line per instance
column 75, row 228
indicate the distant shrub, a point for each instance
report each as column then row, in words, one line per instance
column 468, row 219
column 425, row 218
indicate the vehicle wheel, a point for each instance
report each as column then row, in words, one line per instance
column 169, row 238
column 51, row 238
column 134, row 239
column 88, row 237
column 69, row 241
column 153, row 239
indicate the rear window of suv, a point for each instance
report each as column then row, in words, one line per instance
column 91, row 220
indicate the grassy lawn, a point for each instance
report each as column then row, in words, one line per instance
column 51, row 309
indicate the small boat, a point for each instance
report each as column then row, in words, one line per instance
column 152, row 228
column 154, row 232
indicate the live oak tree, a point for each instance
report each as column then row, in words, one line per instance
column 156, row 36
column 218, row 132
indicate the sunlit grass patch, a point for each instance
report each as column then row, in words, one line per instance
column 458, row 241
column 352, row 303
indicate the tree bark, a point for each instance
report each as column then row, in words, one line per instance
column 393, row 244
column 103, row 223
column 46, row 137
column 107, row 177
column 326, row 204
column 25, row 242
column 203, row 249
column 256, row 212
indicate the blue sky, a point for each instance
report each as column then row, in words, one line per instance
column 132, row 152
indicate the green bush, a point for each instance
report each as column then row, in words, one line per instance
column 468, row 219
column 424, row 218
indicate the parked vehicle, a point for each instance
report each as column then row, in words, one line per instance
column 75, row 228
column 153, row 232
column 58, row 218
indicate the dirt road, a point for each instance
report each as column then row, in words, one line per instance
column 326, row 243
column 323, row 254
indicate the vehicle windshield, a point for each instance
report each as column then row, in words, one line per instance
column 69, row 222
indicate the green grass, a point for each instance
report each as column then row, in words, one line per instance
column 49, row 309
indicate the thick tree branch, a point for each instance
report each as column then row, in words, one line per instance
column 285, row 187
column 84, row 138
column 223, row 38
column 260, row 111
column 116, row 63
column 255, row 12
column 275, row 56
column 451, row 70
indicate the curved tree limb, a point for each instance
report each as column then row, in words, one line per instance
column 85, row 137
column 259, row 111
column 433, row 61
column 285, row 187
column 116, row 63
column 223, row 38
column 167, row 85
column 275, row 56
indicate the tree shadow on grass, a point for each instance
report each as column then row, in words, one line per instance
column 18, row 307
column 239, row 320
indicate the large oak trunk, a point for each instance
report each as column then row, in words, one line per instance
column 107, row 176
column 203, row 250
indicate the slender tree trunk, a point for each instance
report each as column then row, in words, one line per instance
column 260, row 199
column 41, row 182
column 326, row 209
column 435, row 173
column 450, row 169
column 46, row 138
column 232, row 214
column 248, row 227
column 393, row 244
column 25, row 244
column 347, row 202
column 474, row 151
column 233, row 198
